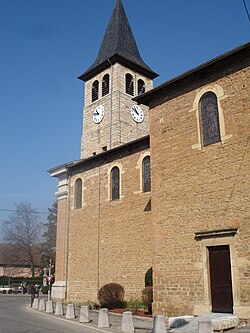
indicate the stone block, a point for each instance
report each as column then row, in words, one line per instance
column 224, row 323
column 41, row 305
column 84, row 314
column 59, row 309
column 49, row 307
column 128, row 322
column 205, row 326
column 35, row 304
column 159, row 324
column 70, row 311
column 103, row 319
column 179, row 321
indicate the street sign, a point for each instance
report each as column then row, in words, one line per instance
column 49, row 278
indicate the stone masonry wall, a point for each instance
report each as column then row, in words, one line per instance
column 117, row 126
column 61, row 240
column 110, row 241
column 200, row 190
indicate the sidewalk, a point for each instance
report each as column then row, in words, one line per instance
column 142, row 324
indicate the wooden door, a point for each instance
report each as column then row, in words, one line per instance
column 220, row 279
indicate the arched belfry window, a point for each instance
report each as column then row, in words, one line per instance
column 209, row 119
column 105, row 85
column 78, row 193
column 95, row 91
column 129, row 84
column 141, row 87
column 115, row 183
column 146, row 178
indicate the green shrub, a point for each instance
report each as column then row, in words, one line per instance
column 149, row 278
column 147, row 297
column 45, row 289
column 111, row 296
column 134, row 305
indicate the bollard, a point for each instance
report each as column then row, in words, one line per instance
column 159, row 325
column 59, row 309
column 84, row 314
column 103, row 319
column 205, row 327
column 35, row 304
column 128, row 322
column 41, row 305
column 70, row 311
column 49, row 307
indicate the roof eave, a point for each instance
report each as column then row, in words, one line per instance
column 146, row 98
column 111, row 61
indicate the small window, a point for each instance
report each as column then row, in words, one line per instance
column 209, row 119
column 95, row 91
column 146, row 179
column 129, row 84
column 115, row 183
column 141, row 87
column 105, row 85
column 78, row 193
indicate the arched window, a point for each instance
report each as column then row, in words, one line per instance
column 209, row 119
column 95, row 91
column 78, row 193
column 105, row 85
column 129, row 84
column 141, row 87
column 146, row 179
column 115, row 183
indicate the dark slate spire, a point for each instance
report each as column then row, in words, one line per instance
column 118, row 45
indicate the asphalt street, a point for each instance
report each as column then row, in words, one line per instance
column 16, row 316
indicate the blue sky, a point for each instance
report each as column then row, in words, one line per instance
column 46, row 44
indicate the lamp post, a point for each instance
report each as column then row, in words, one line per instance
column 49, row 280
column 47, row 277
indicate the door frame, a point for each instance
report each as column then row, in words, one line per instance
column 206, row 305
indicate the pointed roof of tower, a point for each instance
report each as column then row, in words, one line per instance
column 118, row 45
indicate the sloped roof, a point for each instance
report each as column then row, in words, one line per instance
column 118, row 45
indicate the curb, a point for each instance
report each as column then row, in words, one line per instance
column 69, row 321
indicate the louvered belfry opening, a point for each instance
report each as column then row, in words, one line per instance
column 129, row 84
column 105, row 85
column 95, row 91
column 141, row 87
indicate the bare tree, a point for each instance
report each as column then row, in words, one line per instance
column 21, row 230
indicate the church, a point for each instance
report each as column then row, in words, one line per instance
column 162, row 182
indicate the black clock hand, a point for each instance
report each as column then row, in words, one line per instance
column 134, row 108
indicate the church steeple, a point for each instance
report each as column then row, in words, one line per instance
column 118, row 45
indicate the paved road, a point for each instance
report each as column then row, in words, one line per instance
column 16, row 316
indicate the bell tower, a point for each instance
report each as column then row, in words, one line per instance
column 111, row 118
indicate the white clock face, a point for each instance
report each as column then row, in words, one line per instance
column 137, row 113
column 98, row 114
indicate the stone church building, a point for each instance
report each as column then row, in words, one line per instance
column 162, row 181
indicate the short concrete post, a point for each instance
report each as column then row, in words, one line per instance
column 84, row 314
column 103, row 319
column 159, row 325
column 49, row 307
column 35, row 304
column 70, row 311
column 41, row 305
column 59, row 309
column 205, row 327
column 128, row 322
